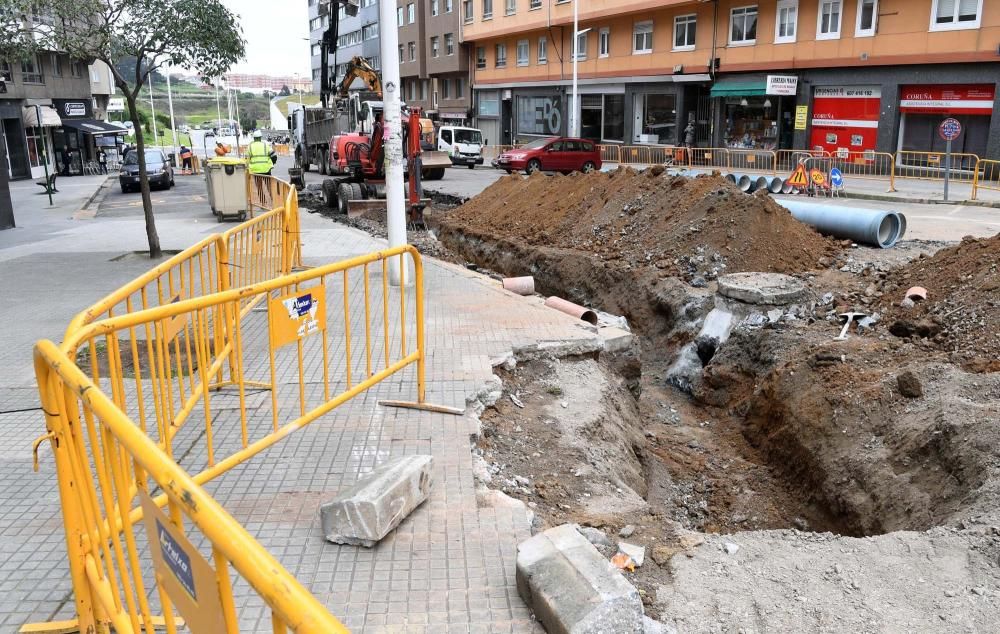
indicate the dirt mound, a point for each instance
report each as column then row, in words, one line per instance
column 962, row 311
column 692, row 227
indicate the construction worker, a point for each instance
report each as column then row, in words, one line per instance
column 186, row 155
column 259, row 155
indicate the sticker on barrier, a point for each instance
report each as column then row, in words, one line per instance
column 294, row 317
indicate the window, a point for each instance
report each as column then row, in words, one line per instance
column 743, row 25
column 613, row 128
column 369, row 31
column 400, row 18
column 467, row 10
column 685, row 28
column 411, row 13
column 867, row 17
column 581, row 45
column 489, row 104
column 76, row 68
column 543, row 50
column 460, row 88
column 449, row 44
column 828, row 26
column 510, row 7
column 401, row 58
column 5, row 72
column 535, row 4
column 434, row 7
column 786, row 21
column 487, row 9
column 367, row 3
column 413, row 89
column 642, row 38
column 423, row 90
column 435, row 46
column 31, row 71
column 539, row 115
column 446, row 88
column 522, row 52
column 659, row 118
column 36, row 146
column 604, row 42
column 501, row 56
column 56, row 63
column 412, row 48
column 316, row 50
column 947, row 15
column 448, row 6
column 480, row 57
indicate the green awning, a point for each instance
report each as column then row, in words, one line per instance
column 739, row 87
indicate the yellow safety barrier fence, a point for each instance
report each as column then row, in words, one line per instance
column 281, row 149
column 931, row 165
column 987, row 176
column 120, row 395
column 864, row 165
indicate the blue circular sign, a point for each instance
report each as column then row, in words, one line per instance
column 950, row 129
column 836, row 178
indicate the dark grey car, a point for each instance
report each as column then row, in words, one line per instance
column 161, row 174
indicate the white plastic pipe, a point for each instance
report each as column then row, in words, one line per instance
column 395, row 199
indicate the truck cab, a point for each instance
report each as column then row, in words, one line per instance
column 464, row 146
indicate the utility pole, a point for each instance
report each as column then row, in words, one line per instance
column 576, row 59
column 152, row 109
column 394, row 195
column 173, row 124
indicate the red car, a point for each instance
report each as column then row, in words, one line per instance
column 554, row 154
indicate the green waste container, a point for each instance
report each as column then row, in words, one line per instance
column 228, row 181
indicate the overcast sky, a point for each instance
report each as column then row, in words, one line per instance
column 274, row 32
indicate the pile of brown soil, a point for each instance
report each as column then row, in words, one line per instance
column 701, row 226
column 962, row 311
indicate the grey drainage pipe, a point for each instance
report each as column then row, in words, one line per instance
column 775, row 184
column 786, row 188
column 744, row 182
column 574, row 310
column 864, row 226
column 731, row 178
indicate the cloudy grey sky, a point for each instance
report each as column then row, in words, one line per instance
column 274, row 30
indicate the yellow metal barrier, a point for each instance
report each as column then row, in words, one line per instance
column 787, row 160
column 610, row 153
column 860, row 165
column 281, row 149
column 708, row 157
column 491, row 152
column 157, row 352
column 931, row 165
column 765, row 161
column 987, row 176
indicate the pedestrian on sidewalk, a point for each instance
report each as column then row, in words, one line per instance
column 65, row 158
column 102, row 161
column 186, row 155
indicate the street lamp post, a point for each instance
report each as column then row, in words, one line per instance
column 173, row 124
column 574, row 117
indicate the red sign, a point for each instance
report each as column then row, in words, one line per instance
column 948, row 98
column 845, row 118
column 950, row 129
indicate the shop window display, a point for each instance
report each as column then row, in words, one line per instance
column 751, row 123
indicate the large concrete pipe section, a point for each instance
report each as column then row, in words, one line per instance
column 774, row 184
column 744, row 182
column 864, row 226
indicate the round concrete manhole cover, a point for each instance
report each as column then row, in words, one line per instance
column 762, row 288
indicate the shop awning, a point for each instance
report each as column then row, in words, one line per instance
column 50, row 118
column 739, row 87
column 93, row 126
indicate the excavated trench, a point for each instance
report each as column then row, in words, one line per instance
column 755, row 443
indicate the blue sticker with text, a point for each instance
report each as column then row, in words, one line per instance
column 178, row 560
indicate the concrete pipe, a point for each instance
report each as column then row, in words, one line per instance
column 574, row 310
column 786, row 188
column 731, row 178
column 775, row 184
column 865, row 226
column 760, row 182
column 519, row 285
column 744, row 183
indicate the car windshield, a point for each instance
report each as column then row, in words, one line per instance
column 463, row 135
column 537, row 143
column 152, row 156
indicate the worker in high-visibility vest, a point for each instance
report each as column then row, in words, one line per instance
column 259, row 155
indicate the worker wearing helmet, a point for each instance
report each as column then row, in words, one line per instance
column 259, row 155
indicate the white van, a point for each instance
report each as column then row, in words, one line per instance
column 463, row 145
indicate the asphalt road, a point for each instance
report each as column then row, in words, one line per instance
column 187, row 199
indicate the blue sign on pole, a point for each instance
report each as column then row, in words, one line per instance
column 950, row 129
column 836, row 178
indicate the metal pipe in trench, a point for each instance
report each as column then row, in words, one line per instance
column 865, row 226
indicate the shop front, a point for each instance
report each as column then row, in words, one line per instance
column 756, row 111
column 488, row 115
column 923, row 108
column 602, row 113
column 84, row 136
column 39, row 122
column 539, row 114
column 845, row 118
column 654, row 115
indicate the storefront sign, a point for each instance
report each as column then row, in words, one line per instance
column 782, row 85
column 116, row 104
column 953, row 98
column 74, row 109
column 845, row 118
column 801, row 117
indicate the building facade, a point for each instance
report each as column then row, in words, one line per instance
column 358, row 36
column 847, row 75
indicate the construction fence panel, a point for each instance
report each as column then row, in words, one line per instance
column 931, row 165
column 759, row 161
column 491, row 152
column 708, row 158
column 610, row 153
column 788, row 160
column 865, row 165
column 987, row 177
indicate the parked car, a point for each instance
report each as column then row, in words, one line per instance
column 554, row 154
column 160, row 173
column 463, row 145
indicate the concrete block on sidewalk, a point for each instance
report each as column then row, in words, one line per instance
column 572, row 588
column 378, row 502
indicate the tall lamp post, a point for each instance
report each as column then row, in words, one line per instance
column 574, row 116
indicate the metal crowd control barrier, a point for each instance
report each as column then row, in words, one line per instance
column 787, row 160
column 764, row 161
column 865, row 165
column 987, row 176
column 122, row 392
column 930, row 165
column 610, row 153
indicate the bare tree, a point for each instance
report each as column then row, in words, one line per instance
column 202, row 35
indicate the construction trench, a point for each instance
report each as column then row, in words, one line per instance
column 777, row 477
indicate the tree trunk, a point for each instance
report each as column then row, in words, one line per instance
column 147, row 202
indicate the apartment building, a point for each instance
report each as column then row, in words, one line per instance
column 357, row 36
column 854, row 75
column 433, row 65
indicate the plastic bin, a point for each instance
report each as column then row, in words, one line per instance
column 228, row 181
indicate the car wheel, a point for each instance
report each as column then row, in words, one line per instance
column 124, row 189
column 472, row 167
column 509, row 171
column 533, row 166
column 344, row 195
column 330, row 194
column 323, row 169
column 588, row 167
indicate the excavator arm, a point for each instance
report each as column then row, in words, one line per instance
column 359, row 67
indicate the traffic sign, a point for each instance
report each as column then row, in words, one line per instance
column 818, row 178
column 836, row 178
column 798, row 177
column 949, row 129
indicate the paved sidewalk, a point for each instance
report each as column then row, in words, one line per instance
column 448, row 568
